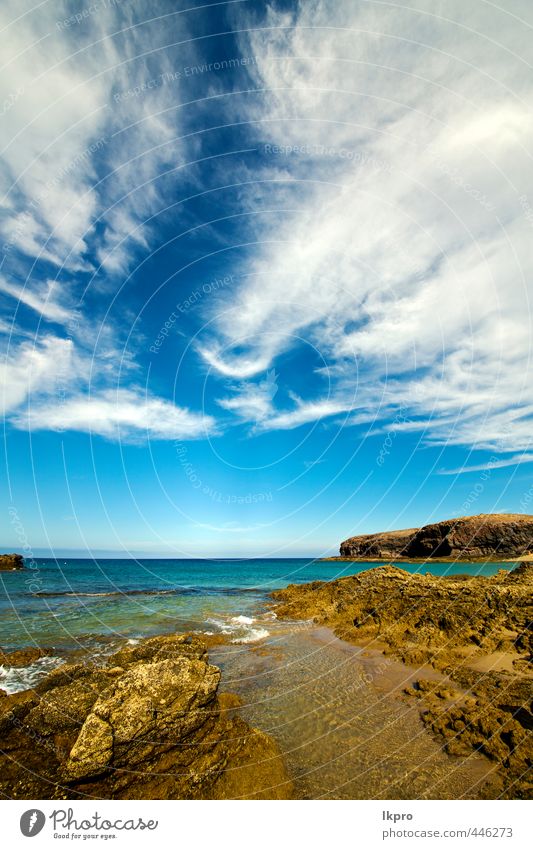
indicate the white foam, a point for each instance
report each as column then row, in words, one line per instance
column 239, row 628
column 14, row 679
column 252, row 636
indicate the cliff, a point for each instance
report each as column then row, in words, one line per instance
column 10, row 562
column 491, row 535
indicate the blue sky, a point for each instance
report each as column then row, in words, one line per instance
column 265, row 272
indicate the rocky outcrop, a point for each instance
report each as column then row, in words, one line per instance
column 477, row 630
column 10, row 562
column 389, row 544
column 492, row 535
column 150, row 724
column 23, row 657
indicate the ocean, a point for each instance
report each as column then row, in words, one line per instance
column 93, row 606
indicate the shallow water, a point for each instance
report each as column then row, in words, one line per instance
column 59, row 603
column 93, row 606
column 337, row 714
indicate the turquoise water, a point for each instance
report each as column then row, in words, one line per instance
column 68, row 604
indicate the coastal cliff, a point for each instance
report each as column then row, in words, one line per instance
column 149, row 724
column 474, row 630
column 10, row 562
column 491, row 535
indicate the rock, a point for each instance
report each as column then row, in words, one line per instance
column 421, row 616
column 161, row 701
column 476, row 537
column 10, row 562
column 23, row 657
column 149, row 724
column 383, row 545
column 448, row 623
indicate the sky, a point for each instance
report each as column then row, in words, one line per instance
column 265, row 272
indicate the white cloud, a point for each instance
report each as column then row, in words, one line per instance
column 401, row 254
column 41, row 298
column 303, row 414
column 80, row 166
column 38, row 368
column 253, row 401
column 123, row 414
column 81, row 173
column 515, row 460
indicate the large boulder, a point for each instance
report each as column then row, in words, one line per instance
column 151, row 723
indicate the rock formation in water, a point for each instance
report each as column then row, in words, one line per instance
column 23, row 657
column 10, row 562
column 489, row 535
column 150, row 724
column 476, row 630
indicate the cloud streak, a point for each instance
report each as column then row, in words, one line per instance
column 123, row 415
column 516, row 460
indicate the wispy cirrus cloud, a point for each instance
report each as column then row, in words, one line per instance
column 85, row 163
column 123, row 415
column 43, row 298
column 404, row 137
column 82, row 157
column 515, row 460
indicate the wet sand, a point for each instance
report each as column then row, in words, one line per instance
column 343, row 726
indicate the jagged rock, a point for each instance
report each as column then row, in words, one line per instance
column 488, row 535
column 149, row 724
column 10, row 562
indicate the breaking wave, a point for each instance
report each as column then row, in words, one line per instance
column 242, row 629
column 15, row 679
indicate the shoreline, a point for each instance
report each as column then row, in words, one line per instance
column 526, row 558
column 474, row 630
column 466, row 685
column 69, row 752
column 344, row 726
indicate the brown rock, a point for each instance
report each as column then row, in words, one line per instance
column 23, row 657
column 10, row 562
column 150, row 724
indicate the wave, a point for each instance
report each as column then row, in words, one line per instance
column 175, row 591
column 15, row 679
column 242, row 629
column 71, row 594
